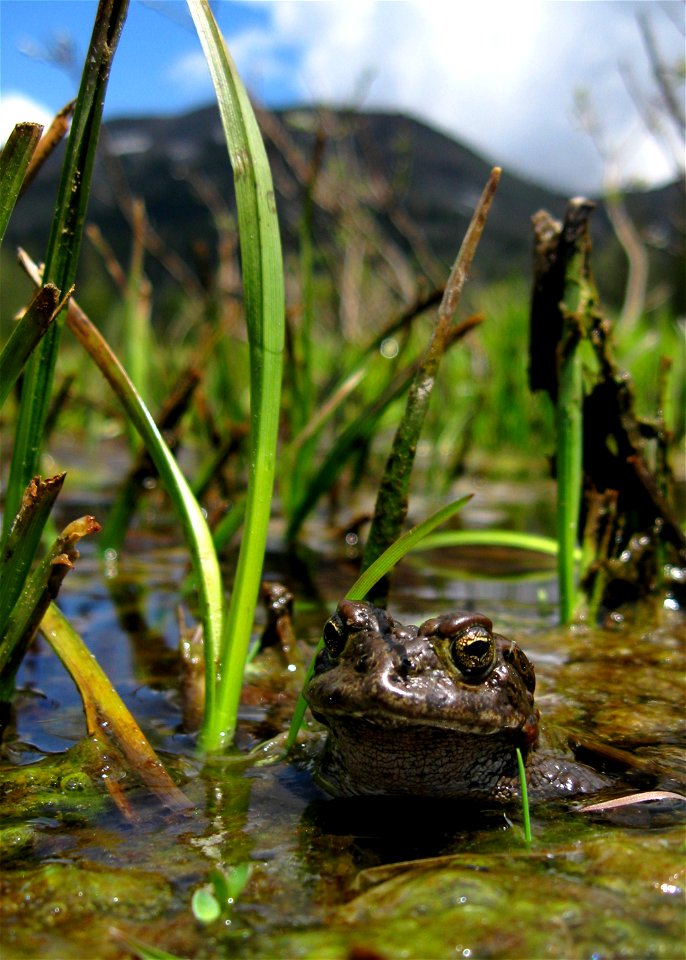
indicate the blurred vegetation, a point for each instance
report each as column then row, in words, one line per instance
column 483, row 414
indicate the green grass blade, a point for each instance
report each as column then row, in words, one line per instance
column 263, row 289
column 575, row 353
column 136, row 329
column 139, row 949
column 196, row 531
column 491, row 538
column 41, row 312
column 569, row 476
column 14, row 161
column 397, row 550
column 526, row 816
column 63, row 246
column 371, row 575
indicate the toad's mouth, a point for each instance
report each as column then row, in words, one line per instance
column 349, row 723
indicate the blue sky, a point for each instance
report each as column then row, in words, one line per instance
column 498, row 74
column 158, row 67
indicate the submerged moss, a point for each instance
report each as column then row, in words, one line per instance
column 15, row 842
column 529, row 906
column 67, row 786
column 61, row 910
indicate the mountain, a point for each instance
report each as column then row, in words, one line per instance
column 417, row 185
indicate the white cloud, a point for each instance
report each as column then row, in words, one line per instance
column 190, row 70
column 500, row 75
column 17, row 108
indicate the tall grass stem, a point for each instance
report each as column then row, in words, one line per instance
column 263, row 297
column 392, row 498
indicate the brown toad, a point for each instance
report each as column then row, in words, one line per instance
column 435, row 711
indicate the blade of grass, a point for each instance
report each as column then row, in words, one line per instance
column 196, row 531
column 139, row 949
column 397, row 550
column 364, row 583
column 569, row 467
column 318, row 420
column 137, row 334
column 64, row 244
column 106, row 713
column 263, row 291
column 119, row 516
column 526, row 816
column 14, row 162
column 392, row 497
column 297, row 456
column 302, row 374
column 490, row 538
column 40, row 313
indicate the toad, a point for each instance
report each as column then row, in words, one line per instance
column 435, row 711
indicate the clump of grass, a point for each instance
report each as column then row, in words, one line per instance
column 198, row 536
column 63, row 246
column 225, row 636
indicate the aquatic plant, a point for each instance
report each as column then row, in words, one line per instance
column 225, row 637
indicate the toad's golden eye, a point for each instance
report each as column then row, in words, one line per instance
column 473, row 652
column 334, row 637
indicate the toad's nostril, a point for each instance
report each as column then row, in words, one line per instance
column 362, row 663
column 404, row 668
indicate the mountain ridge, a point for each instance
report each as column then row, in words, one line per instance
column 425, row 179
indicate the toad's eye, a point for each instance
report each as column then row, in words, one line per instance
column 473, row 652
column 334, row 637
